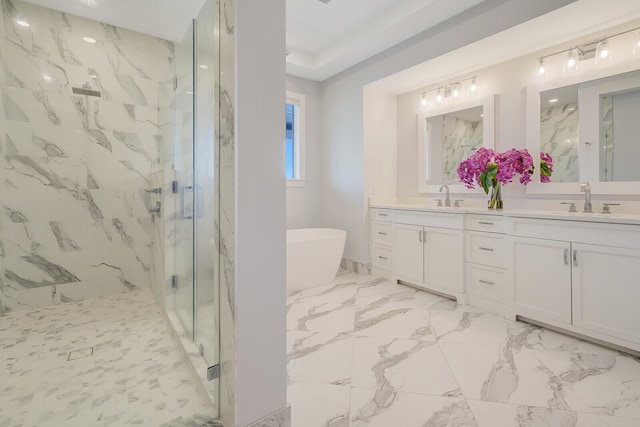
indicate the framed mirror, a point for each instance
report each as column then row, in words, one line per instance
column 591, row 128
column 449, row 135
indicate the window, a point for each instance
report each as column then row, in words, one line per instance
column 294, row 142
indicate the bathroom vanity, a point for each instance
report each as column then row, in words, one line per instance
column 573, row 271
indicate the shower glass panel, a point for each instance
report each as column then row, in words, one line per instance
column 190, row 149
column 183, row 142
column 206, row 184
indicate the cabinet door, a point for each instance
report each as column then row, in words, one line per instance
column 407, row 252
column 444, row 258
column 542, row 274
column 606, row 290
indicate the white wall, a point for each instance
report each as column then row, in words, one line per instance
column 507, row 80
column 304, row 204
column 345, row 192
column 260, row 296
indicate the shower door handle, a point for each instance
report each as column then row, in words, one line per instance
column 190, row 200
column 186, row 202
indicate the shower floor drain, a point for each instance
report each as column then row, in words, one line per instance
column 79, row 354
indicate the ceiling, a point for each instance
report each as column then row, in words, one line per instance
column 170, row 19
column 323, row 39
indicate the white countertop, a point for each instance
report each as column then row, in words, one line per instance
column 614, row 218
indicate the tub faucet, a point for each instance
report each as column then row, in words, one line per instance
column 586, row 189
column 447, row 200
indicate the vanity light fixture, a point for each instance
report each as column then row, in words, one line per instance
column 449, row 92
column 89, row 40
column 23, row 23
column 598, row 49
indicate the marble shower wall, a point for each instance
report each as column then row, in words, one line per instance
column 226, row 128
column 460, row 139
column 559, row 137
column 74, row 169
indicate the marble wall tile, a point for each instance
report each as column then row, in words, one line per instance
column 226, row 136
column 559, row 137
column 74, row 169
column 460, row 139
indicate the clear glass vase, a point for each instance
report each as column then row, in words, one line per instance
column 495, row 196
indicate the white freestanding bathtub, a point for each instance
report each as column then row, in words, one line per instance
column 313, row 256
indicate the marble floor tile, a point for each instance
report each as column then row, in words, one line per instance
column 319, row 357
column 136, row 374
column 375, row 408
column 319, row 405
column 489, row 414
column 398, row 365
column 609, row 384
column 384, row 319
column 418, row 359
column 495, row 374
column 612, row 421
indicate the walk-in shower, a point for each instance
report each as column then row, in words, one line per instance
column 108, row 189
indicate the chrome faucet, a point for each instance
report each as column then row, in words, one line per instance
column 447, row 200
column 586, row 189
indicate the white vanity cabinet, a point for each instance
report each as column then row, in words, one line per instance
column 428, row 251
column 487, row 261
column 381, row 239
column 584, row 277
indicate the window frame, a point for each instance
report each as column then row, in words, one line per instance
column 299, row 100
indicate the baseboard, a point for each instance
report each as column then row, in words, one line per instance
column 280, row 418
column 355, row 267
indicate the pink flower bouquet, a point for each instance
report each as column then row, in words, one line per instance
column 488, row 168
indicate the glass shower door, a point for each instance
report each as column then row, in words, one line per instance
column 183, row 169
column 188, row 123
column 206, row 333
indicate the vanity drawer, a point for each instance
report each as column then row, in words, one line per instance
column 381, row 233
column 486, row 249
column 490, row 223
column 486, row 282
column 381, row 215
column 381, row 258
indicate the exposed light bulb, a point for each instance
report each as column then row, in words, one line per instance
column 23, row 23
column 474, row 86
column 455, row 90
column 571, row 58
column 603, row 54
column 423, row 101
column 541, row 69
column 90, row 40
column 604, row 49
column 439, row 96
